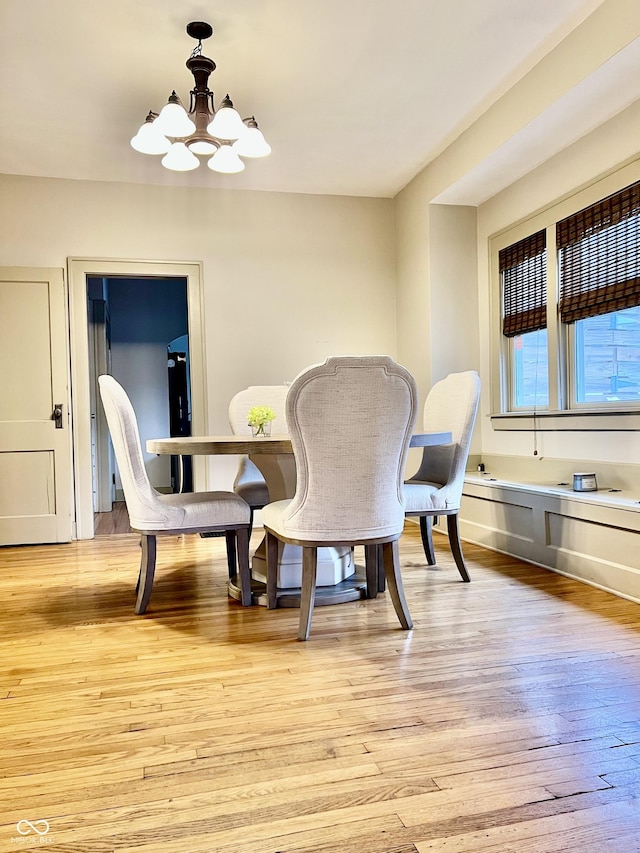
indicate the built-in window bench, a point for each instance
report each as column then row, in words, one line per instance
column 527, row 508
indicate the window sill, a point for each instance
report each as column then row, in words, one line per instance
column 613, row 499
column 574, row 421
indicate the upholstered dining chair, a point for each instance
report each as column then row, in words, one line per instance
column 152, row 514
column 249, row 482
column 436, row 488
column 350, row 420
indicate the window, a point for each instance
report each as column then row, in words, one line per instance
column 523, row 268
column 530, row 388
column 599, row 265
column 574, row 316
column 607, row 358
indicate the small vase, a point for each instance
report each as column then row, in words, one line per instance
column 262, row 430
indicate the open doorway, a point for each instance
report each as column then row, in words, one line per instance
column 149, row 274
column 133, row 325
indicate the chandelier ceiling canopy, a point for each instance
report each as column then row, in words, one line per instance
column 221, row 135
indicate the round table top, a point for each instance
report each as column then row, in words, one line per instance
column 194, row 445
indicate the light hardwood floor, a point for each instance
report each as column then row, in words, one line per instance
column 114, row 522
column 506, row 720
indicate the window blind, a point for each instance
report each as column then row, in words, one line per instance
column 523, row 267
column 599, row 257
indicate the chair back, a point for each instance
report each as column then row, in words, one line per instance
column 249, row 482
column 451, row 406
column 350, row 421
column 258, row 395
column 144, row 508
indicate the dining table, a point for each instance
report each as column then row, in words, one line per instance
column 339, row 578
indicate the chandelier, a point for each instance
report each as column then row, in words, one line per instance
column 221, row 135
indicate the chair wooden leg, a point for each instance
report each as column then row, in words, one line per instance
column 371, row 553
column 427, row 539
column 456, row 548
column 244, row 572
column 147, row 571
column 231, row 546
column 382, row 583
column 232, row 560
column 308, row 591
column 391, row 558
column 272, row 570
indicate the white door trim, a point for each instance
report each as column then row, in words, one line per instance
column 78, row 270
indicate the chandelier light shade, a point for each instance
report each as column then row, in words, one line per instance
column 149, row 140
column 222, row 135
column 226, row 160
column 179, row 158
column 173, row 119
column 226, row 123
column 252, row 143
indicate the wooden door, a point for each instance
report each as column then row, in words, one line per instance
column 35, row 447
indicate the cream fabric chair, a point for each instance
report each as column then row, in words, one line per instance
column 152, row 514
column 350, row 421
column 249, row 482
column 436, row 488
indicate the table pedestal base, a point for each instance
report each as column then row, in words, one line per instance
column 351, row 589
column 334, row 565
column 336, row 579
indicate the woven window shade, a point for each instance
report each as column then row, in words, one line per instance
column 523, row 266
column 599, row 254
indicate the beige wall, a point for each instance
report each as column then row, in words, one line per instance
column 288, row 279
column 436, row 248
column 566, row 177
column 413, row 284
column 436, row 264
column 453, row 262
column 444, row 308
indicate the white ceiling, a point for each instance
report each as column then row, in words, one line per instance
column 354, row 96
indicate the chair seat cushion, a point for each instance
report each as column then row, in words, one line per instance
column 272, row 515
column 426, row 497
column 200, row 510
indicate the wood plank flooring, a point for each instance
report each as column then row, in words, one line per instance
column 508, row 719
column 114, row 522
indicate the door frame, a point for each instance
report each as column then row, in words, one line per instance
column 78, row 270
column 100, row 362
